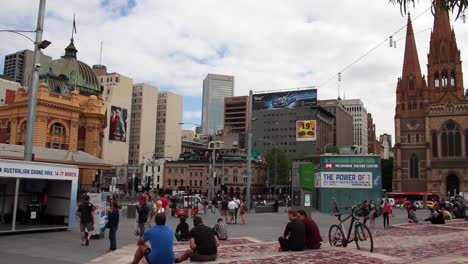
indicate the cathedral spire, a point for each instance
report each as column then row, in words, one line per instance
column 411, row 65
column 441, row 26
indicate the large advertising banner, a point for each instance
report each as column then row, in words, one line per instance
column 118, row 124
column 305, row 130
column 288, row 99
column 360, row 180
column 350, row 172
column 307, row 175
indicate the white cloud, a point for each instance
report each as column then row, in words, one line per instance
column 267, row 45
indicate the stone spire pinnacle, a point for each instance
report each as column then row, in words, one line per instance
column 411, row 65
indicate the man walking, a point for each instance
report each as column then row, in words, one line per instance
column 232, row 206
column 143, row 212
column 86, row 210
column 237, row 201
column 294, row 234
column 161, row 240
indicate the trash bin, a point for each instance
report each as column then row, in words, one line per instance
column 131, row 211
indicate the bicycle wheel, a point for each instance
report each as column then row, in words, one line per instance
column 336, row 236
column 363, row 238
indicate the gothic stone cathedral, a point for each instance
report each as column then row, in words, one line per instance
column 431, row 118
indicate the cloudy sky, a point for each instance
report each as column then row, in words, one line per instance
column 265, row 44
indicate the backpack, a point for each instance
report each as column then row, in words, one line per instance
column 377, row 212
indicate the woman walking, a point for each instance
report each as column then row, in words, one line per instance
column 387, row 212
column 243, row 209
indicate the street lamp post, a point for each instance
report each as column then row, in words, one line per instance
column 249, row 153
column 276, row 161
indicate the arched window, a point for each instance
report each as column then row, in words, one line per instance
column 414, row 167
column 451, row 140
column 435, row 146
column 56, row 138
column 436, row 80
column 452, row 78
column 409, row 106
column 444, row 78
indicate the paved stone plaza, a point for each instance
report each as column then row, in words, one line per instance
column 255, row 243
column 402, row 243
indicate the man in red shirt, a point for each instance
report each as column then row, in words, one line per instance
column 164, row 202
column 313, row 237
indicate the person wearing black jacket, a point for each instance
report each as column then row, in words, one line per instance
column 182, row 230
column 113, row 224
column 294, row 236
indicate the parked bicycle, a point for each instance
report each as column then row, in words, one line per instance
column 362, row 235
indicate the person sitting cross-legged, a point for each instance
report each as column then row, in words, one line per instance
column 313, row 237
column 182, row 230
column 221, row 230
column 203, row 243
column 161, row 240
column 294, row 234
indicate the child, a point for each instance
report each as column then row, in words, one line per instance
column 221, row 230
column 182, row 230
column 113, row 224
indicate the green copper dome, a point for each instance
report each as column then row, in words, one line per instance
column 64, row 74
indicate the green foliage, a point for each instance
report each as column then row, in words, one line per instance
column 387, row 173
column 331, row 149
column 283, row 166
column 455, row 6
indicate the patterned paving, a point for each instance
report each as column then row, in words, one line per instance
column 404, row 243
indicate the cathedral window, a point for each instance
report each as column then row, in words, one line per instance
column 451, row 140
column 403, row 107
column 417, row 138
column 452, row 78
column 414, row 167
column 436, row 80
column 435, row 145
column 444, row 78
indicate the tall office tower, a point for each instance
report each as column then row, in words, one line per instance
column 215, row 89
column 19, row 65
column 168, row 128
column 143, row 120
column 359, row 113
column 117, row 96
column 342, row 123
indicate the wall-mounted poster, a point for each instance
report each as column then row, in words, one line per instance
column 118, row 124
column 305, row 130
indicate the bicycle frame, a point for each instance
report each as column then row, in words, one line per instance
column 353, row 224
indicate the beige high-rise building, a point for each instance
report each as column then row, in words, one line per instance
column 117, row 95
column 168, row 128
column 143, row 120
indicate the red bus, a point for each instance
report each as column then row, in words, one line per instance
column 397, row 198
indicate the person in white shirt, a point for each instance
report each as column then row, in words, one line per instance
column 232, row 206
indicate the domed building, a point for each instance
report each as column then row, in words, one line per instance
column 70, row 111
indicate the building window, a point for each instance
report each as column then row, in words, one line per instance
column 444, row 78
column 245, row 180
column 451, row 140
column 414, row 167
column 190, row 183
column 452, row 78
column 190, row 174
column 169, row 182
column 436, row 80
column 195, row 183
column 435, row 145
column 234, row 179
column 201, row 183
column 182, row 182
column 175, row 182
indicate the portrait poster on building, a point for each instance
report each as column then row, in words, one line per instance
column 118, row 124
column 305, row 130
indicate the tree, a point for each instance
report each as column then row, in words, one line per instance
column 455, row 6
column 283, row 166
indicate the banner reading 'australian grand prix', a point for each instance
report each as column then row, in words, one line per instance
column 287, row 99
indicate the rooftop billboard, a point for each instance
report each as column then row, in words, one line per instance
column 285, row 100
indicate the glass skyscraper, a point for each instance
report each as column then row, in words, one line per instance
column 215, row 89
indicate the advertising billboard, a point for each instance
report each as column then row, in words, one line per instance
column 285, row 100
column 305, row 130
column 362, row 172
column 307, row 176
column 118, row 124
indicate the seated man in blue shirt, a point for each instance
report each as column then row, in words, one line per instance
column 160, row 237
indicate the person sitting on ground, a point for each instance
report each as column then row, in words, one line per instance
column 313, row 237
column 412, row 218
column 436, row 217
column 221, row 230
column 203, row 243
column 161, row 240
column 294, row 234
column 182, row 230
